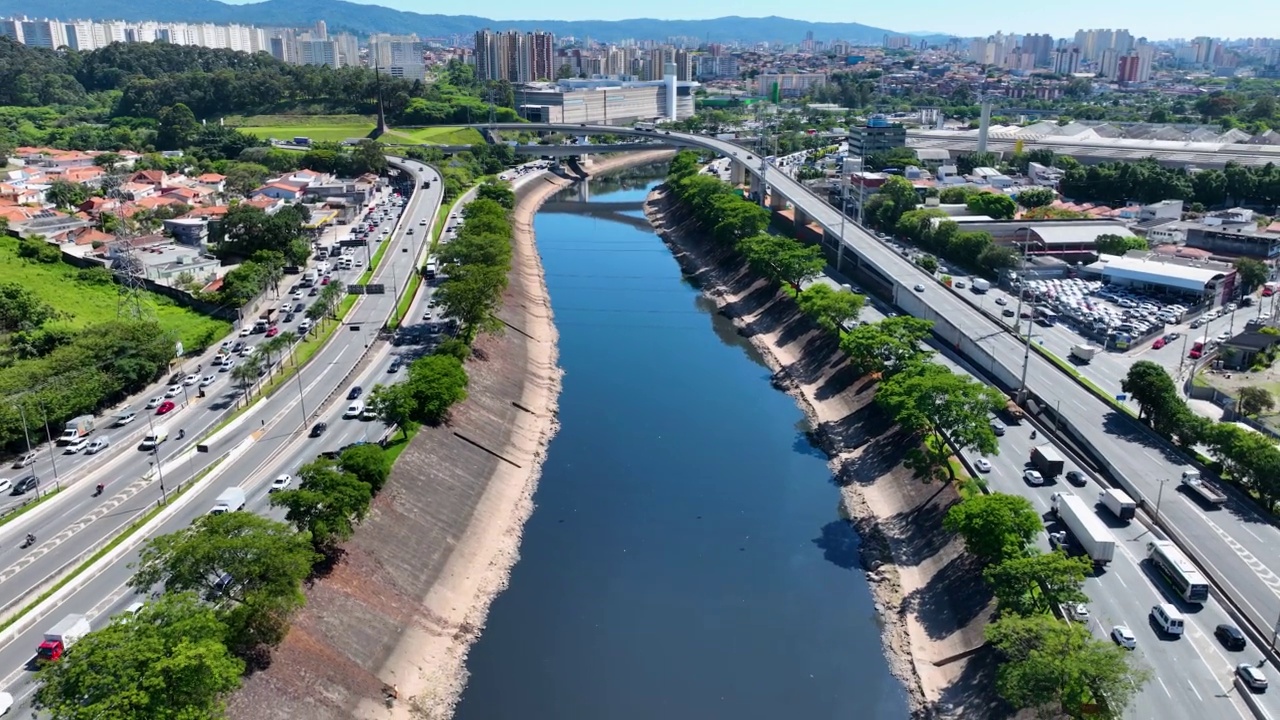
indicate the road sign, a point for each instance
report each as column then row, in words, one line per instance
column 375, row 289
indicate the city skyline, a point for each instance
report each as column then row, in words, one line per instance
column 1149, row 18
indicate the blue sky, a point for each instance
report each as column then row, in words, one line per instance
column 1155, row 19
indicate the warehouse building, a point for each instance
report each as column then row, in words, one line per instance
column 605, row 101
column 1167, row 275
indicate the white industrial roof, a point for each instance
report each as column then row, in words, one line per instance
column 1184, row 277
column 1077, row 233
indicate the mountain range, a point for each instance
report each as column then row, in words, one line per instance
column 365, row 19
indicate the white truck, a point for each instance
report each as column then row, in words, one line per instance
column 1119, row 503
column 66, row 633
column 157, row 435
column 76, row 428
column 1086, row 527
column 980, row 285
column 1083, row 353
column 231, row 500
column 1194, row 482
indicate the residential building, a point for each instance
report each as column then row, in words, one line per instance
column 515, row 56
column 1234, row 233
column 782, row 85
column 878, row 135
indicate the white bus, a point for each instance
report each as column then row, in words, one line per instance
column 1178, row 569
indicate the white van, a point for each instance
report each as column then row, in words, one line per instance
column 1168, row 619
column 157, row 435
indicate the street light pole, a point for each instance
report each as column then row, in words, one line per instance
column 155, row 453
column 1026, row 358
column 301, row 400
column 48, row 433
column 22, row 413
column 1159, row 497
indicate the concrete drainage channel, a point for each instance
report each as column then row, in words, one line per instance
column 74, row 574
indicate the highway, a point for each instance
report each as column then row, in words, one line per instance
column 75, row 523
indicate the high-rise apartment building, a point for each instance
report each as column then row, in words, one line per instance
column 515, row 56
column 1067, row 61
column 88, row 35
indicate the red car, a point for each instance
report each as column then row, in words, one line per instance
column 164, row 407
column 324, row 280
column 1159, row 343
column 273, row 331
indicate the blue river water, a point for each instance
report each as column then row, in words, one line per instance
column 686, row 558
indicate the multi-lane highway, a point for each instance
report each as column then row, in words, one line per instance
column 76, row 522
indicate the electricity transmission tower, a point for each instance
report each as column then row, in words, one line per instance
column 126, row 266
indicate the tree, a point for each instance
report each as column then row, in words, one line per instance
column 497, row 191
column 64, row 194
column 1112, row 244
column 1252, row 273
column 168, row 662
column 368, row 156
column 782, row 259
column 472, row 294
column 887, row 346
column 369, row 464
column 953, row 408
column 736, row 219
column 177, row 127
column 395, row 406
column 22, row 309
column 832, row 309
column 1255, row 400
column 246, row 372
column 327, row 504
column 1036, row 197
column 1061, row 668
column 928, row 263
column 1056, row 578
column 995, row 527
column 436, row 383
column 1158, row 401
column 993, row 205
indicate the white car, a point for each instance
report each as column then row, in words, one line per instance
column 281, row 483
column 919, row 288
column 354, row 410
column 227, row 365
column 1079, row 612
column 1124, row 637
column 297, row 294
column 173, row 391
column 154, row 402
column 246, row 330
column 1033, row 477
column 76, row 446
column 208, row 380
column 5, row 485
column 191, row 380
column 982, row 464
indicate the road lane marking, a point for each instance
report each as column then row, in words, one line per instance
column 1166, row 687
column 1259, row 568
column 1197, row 692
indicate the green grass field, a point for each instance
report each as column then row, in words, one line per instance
column 87, row 304
column 441, row 135
column 336, row 128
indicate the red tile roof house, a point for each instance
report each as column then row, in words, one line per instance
column 213, row 180
column 279, row 191
column 155, row 178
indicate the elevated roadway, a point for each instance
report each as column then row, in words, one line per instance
column 1173, row 154
column 1234, row 544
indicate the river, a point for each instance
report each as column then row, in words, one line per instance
column 686, row 558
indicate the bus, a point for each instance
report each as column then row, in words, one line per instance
column 1182, row 575
column 1046, row 317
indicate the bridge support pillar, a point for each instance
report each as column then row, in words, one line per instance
column 776, row 201
column 737, row 173
column 757, row 188
column 800, row 218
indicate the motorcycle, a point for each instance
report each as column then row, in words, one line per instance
column 98, row 491
column 1033, row 434
column 182, row 434
column 31, row 540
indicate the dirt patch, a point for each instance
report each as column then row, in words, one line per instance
column 927, row 589
column 401, row 610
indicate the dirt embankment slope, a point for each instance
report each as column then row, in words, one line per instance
column 930, row 592
column 411, row 596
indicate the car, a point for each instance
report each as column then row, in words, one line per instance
column 318, row 429
column 919, row 287
column 288, row 318
column 155, row 401
column 313, row 291
column 280, row 483
column 296, row 294
column 1252, row 677
column 5, row 484
column 394, row 366
column 244, row 331
column 354, row 410
column 1159, row 343
column 1008, row 312
column 208, row 380
column 1033, row 477
column 99, row 444
column 1124, row 637
column 324, row 280
column 998, row 429
column 1230, row 637
column 1001, row 301
column 356, row 392
column 273, row 331
column 25, row 459
column 1075, row 477
column 76, row 446
column 191, row 380
column 173, row 391
column 26, row 484
column 1078, row 612
column 299, row 307
column 983, row 465
column 166, row 406
column 227, row 366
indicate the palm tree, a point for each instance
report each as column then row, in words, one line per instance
column 287, row 340
column 246, row 372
